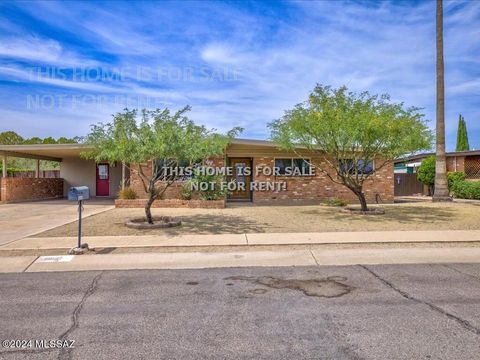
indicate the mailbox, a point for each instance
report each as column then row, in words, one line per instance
column 78, row 193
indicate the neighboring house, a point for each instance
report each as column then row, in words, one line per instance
column 260, row 156
column 464, row 161
column 405, row 170
column 406, row 167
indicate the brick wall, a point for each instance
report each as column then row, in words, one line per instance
column 319, row 187
column 302, row 189
column 460, row 163
column 171, row 203
column 17, row 189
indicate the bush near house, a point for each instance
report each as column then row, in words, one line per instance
column 186, row 193
column 127, row 194
column 454, row 177
column 466, row 190
column 426, row 173
column 336, row 202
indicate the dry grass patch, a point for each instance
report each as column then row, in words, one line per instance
column 250, row 219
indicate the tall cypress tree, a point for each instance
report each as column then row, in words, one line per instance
column 462, row 135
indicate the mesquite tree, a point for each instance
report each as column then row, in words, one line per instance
column 351, row 133
column 158, row 139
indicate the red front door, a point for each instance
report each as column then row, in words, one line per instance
column 103, row 180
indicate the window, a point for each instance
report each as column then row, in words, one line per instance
column 301, row 165
column 292, row 167
column 281, row 165
column 103, row 171
column 347, row 166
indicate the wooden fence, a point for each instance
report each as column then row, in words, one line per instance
column 407, row 184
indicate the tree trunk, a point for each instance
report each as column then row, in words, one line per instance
column 148, row 206
column 441, row 185
column 363, row 201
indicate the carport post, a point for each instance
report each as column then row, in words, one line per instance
column 37, row 169
column 4, row 170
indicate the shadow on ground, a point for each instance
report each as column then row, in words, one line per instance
column 406, row 214
column 215, row 224
column 191, row 224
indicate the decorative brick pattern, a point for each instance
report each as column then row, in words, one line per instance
column 18, row 189
column 172, row 203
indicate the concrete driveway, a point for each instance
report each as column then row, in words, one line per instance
column 24, row 219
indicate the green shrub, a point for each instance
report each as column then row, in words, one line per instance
column 336, row 202
column 186, row 193
column 466, row 190
column 454, row 177
column 426, row 171
column 127, row 194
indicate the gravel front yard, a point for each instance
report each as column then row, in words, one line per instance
column 318, row 218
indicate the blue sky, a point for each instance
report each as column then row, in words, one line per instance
column 66, row 65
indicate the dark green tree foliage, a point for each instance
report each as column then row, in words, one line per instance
column 12, row 138
column 462, row 135
column 348, row 131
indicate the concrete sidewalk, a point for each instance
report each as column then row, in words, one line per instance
column 200, row 260
column 234, row 240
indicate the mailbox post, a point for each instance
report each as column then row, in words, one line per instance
column 79, row 194
column 80, row 207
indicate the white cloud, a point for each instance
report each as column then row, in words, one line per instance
column 279, row 53
column 40, row 50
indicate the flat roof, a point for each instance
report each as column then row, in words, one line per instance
column 56, row 152
column 448, row 154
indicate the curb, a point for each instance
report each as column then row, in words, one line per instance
column 233, row 248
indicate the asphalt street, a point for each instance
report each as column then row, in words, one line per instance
column 332, row 312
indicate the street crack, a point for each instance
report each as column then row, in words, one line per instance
column 67, row 352
column 462, row 322
column 64, row 352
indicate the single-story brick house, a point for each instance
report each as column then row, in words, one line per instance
column 260, row 156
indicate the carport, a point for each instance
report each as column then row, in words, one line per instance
column 103, row 179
